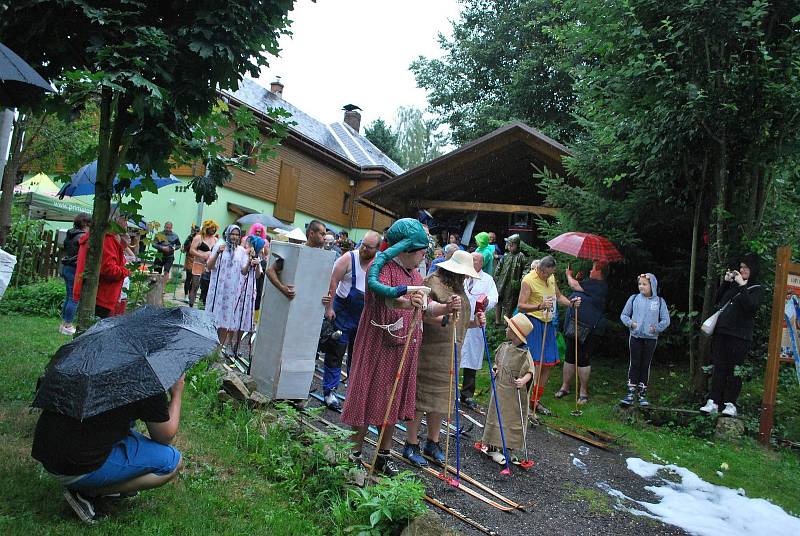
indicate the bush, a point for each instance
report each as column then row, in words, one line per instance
column 384, row 508
column 40, row 299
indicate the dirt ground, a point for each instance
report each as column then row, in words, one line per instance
column 565, row 496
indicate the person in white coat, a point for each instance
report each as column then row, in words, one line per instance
column 473, row 350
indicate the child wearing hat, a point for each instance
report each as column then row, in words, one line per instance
column 512, row 363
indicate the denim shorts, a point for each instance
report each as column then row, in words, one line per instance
column 134, row 456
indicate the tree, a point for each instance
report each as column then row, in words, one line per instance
column 38, row 141
column 690, row 117
column 382, row 137
column 154, row 69
column 418, row 139
column 501, row 64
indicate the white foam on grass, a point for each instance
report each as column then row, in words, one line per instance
column 705, row 509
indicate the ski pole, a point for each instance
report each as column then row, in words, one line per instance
column 450, row 403
column 507, row 470
column 527, row 463
column 577, row 412
column 394, row 390
column 538, row 372
column 458, row 419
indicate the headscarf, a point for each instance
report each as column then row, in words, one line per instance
column 257, row 230
column 230, row 247
column 487, row 250
column 405, row 234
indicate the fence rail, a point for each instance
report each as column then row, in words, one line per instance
column 38, row 254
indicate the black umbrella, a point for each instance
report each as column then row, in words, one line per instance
column 19, row 83
column 264, row 219
column 125, row 359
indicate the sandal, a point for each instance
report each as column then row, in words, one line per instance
column 561, row 393
column 583, row 399
column 497, row 457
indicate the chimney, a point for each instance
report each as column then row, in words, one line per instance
column 351, row 116
column 276, row 87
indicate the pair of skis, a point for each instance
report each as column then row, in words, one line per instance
column 509, row 505
column 427, row 498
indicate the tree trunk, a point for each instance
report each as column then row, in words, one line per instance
column 10, row 180
column 100, row 214
column 693, row 280
column 716, row 256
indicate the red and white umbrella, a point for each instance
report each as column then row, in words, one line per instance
column 586, row 246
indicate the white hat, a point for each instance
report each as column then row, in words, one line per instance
column 460, row 263
column 294, row 234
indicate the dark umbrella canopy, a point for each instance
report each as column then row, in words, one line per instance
column 19, row 83
column 124, row 359
column 264, row 219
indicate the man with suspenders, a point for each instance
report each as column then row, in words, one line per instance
column 343, row 305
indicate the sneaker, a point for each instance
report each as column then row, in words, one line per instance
column 332, row 402
column 82, row 506
column 497, row 457
column 385, row 465
column 434, row 451
column 643, row 403
column 730, row 410
column 709, row 408
column 470, row 403
column 66, row 330
column 628, row 400
column 355, row 457
column 542, row 410
column 411, row 453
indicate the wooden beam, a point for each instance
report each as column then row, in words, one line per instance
column 464, row 206
column 377, row 208
column 772, row 369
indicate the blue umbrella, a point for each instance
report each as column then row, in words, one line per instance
column 83, row 181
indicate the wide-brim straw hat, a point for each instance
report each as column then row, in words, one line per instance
column 294, row 234
column 520, row 324
column 460, row 263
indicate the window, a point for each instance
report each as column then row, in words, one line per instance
column 245, row 148
column 346, row 202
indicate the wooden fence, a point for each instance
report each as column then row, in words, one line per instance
column 38, row 255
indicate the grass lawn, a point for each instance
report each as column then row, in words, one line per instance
column 219, row 492
column 771, row 474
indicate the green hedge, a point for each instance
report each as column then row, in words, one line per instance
column 41, row 299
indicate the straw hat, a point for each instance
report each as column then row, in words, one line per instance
column 460, row 263
column 294, row 234
column 520, row 325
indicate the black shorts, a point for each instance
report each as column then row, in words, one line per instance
column 585, row 350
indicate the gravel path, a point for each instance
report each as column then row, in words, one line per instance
column 565, row 497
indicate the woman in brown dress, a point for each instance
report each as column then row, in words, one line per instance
column 436, row 354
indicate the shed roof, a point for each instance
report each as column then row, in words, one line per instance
column 496, row 169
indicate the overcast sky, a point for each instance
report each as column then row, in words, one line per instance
column 358, row 51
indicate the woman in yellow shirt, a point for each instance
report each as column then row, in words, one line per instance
column 538, row 298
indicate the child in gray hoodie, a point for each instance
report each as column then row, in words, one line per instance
column 645, row 315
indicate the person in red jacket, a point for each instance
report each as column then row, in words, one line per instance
column 112, row 270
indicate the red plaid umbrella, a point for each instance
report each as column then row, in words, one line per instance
column 586, row 246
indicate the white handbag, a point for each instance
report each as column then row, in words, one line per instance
column 707, row 328
column 711, row 322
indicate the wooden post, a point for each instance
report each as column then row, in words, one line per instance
column 47, row 254
column 783, row 260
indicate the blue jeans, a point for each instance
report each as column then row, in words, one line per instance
column 131, row 457
column 70, row 306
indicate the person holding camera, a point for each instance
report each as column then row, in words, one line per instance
column 738, row 298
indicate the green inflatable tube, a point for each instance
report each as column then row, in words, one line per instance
column 406, row 234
